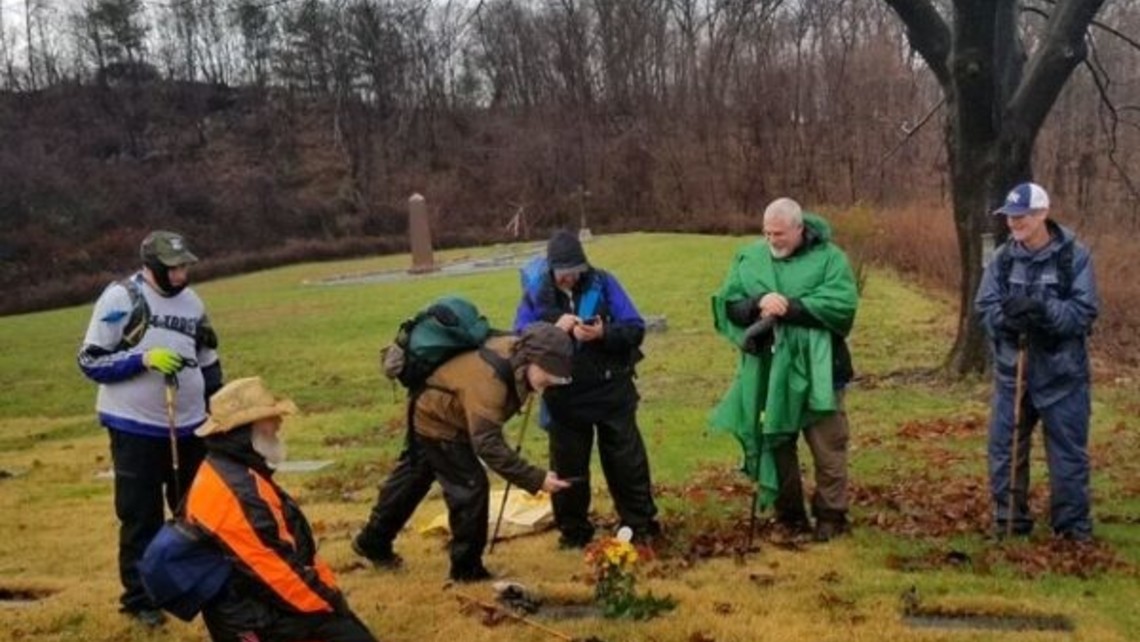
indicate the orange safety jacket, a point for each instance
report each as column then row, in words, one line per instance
column 263, row 528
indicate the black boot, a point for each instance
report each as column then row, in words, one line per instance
column 470, row 573
column 793, row 523
column 382, row 556
column 830, row 524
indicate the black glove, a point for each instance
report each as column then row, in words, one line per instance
column 1022, row 306
column 1022, row 313
column 758, row 336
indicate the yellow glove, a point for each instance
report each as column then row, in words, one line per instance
column 164, row 360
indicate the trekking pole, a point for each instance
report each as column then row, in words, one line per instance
column 495, row 608
column 752, row 521
column 171, row 390
column 1018, row 390
column 507, row 490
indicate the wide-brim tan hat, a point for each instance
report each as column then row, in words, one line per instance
column 240, row 402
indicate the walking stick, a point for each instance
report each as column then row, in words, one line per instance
column 495, row 608
column 171, row 389
column 507, row 490
column 1018, row 391
column 751, row 521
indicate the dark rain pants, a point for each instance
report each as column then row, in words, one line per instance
column 144, row 479
column 624, row 464
column 466, row 492
column 1066, row 430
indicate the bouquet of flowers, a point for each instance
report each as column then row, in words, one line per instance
column 611, row 561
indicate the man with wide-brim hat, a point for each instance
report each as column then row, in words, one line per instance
column 280, row 589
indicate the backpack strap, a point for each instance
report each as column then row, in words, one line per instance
column 502, row 367
column 1004, row 267
column 1065, row 269
column 139, row 318
column 1065, row 260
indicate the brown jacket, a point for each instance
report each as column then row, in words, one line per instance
column 465, row 401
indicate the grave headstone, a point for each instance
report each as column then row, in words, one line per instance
column 419, row 233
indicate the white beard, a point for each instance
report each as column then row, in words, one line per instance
column 271, row 448
column 779, row 254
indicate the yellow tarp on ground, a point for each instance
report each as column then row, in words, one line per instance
column 525, row 514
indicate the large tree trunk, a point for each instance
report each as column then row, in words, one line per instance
column 980, row 173
column 996, row 104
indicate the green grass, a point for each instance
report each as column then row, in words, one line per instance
column 318, row 344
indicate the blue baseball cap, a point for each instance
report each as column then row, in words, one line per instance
column 1024, row 199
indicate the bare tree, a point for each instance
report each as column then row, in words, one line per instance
column 997, row 98
column 257, row 31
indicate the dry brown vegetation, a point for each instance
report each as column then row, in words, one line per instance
column 277, row 132
column 919, row 241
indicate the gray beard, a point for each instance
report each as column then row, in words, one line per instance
column 780, row 254
column 271, row 448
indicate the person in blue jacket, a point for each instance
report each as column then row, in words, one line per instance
column 1037, row 301
column 593, row 308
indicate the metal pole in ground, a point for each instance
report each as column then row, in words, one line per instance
column 1018, row 391
column 463, row 597
column 751, row 522
column 507, row 490
column 171, row 390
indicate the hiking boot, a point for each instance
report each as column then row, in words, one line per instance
column 828, row 529
column 1019, row 531
column 150, row 618
column 382, row 558
column 575, row 539
column 794, row 524
column 466, row 574
column 646, row 535
column 1074, row 536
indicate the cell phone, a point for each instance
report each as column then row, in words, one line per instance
column 573, row 480
column 592, row 321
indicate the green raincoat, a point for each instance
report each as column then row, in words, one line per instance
column 774, row 396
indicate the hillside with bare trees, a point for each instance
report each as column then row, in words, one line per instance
column 284, row 130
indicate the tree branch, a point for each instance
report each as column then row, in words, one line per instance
column 1101, row 80
column 1062, row 49
column 1096, row 23
column 928, row 34
column 911, row 131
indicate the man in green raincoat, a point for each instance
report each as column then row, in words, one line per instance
column 788, row 303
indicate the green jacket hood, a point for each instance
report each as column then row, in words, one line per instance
column 818, row 225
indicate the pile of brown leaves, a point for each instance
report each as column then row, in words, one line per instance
column 925, row 506
column 1059, row 556
column 941, row 428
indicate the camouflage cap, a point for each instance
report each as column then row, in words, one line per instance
column 169, row 248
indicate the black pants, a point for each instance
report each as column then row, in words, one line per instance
column 242, row 619
column 624, row 463
column 466, row 492
column 144, row 477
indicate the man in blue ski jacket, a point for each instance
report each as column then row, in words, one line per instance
column 1038, row 301
column 593, row 308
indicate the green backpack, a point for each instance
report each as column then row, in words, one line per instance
column 449, row 326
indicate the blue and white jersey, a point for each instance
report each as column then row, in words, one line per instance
column 131, row 397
